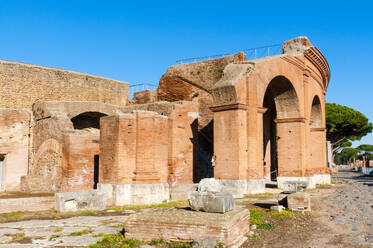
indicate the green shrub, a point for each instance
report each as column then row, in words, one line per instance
column 116, row 241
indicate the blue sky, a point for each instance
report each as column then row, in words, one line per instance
column 135, row 41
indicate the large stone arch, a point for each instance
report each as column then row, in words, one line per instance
column 281, row 111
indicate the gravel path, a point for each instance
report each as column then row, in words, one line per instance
column 352, row 206
column 75, row 231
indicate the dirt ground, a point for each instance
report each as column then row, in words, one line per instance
column 321, row 227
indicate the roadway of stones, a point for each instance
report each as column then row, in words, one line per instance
column 352, row 206
column 55, row 233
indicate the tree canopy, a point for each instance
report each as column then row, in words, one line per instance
column 362, row 152
column 345, row 124
column 346, row 155
column 365, row 148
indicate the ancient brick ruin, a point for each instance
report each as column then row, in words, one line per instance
column 239, row 121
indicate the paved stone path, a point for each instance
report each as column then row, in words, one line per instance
column 352, row 206
column 75, row 231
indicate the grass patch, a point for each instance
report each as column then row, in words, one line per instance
column 261, row 195
column 219, row 245
column 58, row 229
column 53, row 237
column 255, row 217
column 117, row 226
column 265, row 226
column 158, row 242
column 80, row 233
column 99, row 235
column 284, row 214
column 255, row 236
column 21, row 238
column 13, row 216
column 179, row 245
column 119, row 241
column 116, row 241
column 323, row 186
column 160, row 205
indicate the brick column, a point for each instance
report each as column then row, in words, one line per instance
column 291, row 147
column 318, row 152
column 230, row 141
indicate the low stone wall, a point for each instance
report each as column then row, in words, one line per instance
column 80, row 201
column 135, row 194
column 8, row 205
column 311, row 181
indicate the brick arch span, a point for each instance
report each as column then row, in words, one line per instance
column 280, row 103
column 88, row 119
column 48, row 145
column 281, row 95
column 316, row 113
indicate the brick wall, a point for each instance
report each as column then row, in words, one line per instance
column 24, row 84
column 79, row 150
column 14, row 139
column 134, row 148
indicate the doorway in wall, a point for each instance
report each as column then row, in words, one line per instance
column 95, row 171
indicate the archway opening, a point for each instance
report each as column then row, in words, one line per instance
column 315, row 119
column 317, row 136
column 87, row 120
column 90, row 121
column 280, row 102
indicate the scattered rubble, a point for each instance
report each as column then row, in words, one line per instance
column 211, row 197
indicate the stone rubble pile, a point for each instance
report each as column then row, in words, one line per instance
column 211, row 197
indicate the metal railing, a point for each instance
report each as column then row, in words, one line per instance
column 251, row 53
column 139, row 87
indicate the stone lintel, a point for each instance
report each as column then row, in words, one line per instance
column 288, row 120
column 226, row 107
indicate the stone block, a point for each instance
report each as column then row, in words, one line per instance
column 211, row 202
column 299, row 201
column 204, row 242
column 180, row 192
column 256, row 186
column 294, row 186
column 237, row 187
column 80, row 201
column 135, row 194
column 277, row 208
column 322, row 179
column 178, row 224
column 310, row 181
column 209, row 185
